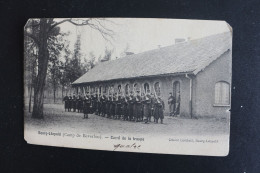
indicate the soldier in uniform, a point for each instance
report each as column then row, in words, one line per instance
column 79, row 103
column 70, row 103
column 92, row 104
column 118, row 112
column 130, row 106
column 159, row 108
column 86, row 106
column 137, row 107
column 74, row 102
column 103, row 105
column 108, row 106
column 125, row 104
column 113, row 106
column 66, row 103
column 99, row 105
column 146, row 107
column 95, row 104
column 171, row 102
column 152, row 106
column 142, row 106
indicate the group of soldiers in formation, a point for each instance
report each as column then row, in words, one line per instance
column 130, row 107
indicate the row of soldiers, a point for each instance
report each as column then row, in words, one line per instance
column 132, row 107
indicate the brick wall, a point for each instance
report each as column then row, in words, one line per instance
column 204, row 87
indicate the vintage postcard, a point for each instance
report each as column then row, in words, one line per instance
column 127, row 84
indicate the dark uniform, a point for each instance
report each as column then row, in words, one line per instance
column 79, row 103
column 142, row 106
column 86, row 106
column 146, row 108
column 108, row 102
column 99, row 106
column 70, row 102
column 118, row 112
column 103, row 105
column 113, row 107
column 130, row 107
column 95, row 104
column 125, row 104
column 66, row 103
column 152, row 107
column 74, row 103
column 159, row 107
column 137, row 108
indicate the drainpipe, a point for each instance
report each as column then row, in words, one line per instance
column 186, row 75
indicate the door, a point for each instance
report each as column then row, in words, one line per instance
column 177, row 96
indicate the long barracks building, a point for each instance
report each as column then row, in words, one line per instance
column 197, row 71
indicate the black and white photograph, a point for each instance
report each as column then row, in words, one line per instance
column 128, row 84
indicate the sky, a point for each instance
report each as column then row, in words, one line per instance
column 139, row 34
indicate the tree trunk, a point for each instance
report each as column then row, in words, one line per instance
column 62, row 89
column 43, row 58
column 54, row 93
column 30, row 99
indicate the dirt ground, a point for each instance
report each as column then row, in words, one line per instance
column 56, row 119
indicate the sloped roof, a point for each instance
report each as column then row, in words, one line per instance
column 188, row 57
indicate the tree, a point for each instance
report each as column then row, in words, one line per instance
column 45, row 29
column 91, row 63
column 64, row 79
column 30, row 66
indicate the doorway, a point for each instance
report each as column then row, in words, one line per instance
column 176, row 94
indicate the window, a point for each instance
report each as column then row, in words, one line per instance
column 106, row 89
column 100, row 89
column 127, row 89
column 222, row 93
column 119, row 88
column 146, row 87
column 136, row 87
column 112, row 89
column 157, row 88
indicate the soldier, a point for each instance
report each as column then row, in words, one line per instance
column 149, row 105
column 66, row 103
column 159, row 108
column 70, row 103
column 95, row 104
column 74, row 102
column 113, row 106
column 108, row 102
column 146, row 107
column 86, row 106
column 99, row 105
column 79, row 103
column 130, row 107
column 103, row 105
column 142, row 106
column 124, row 107
column 137, row 107
column 171, row 103
column 118, row 102
column 152, row 106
